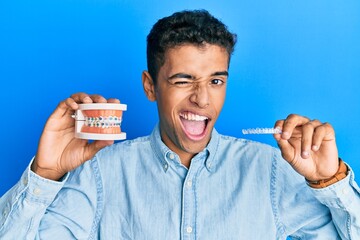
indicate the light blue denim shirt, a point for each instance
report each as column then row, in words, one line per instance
column 138, row 189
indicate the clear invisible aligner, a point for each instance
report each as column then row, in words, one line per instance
column 261, row 131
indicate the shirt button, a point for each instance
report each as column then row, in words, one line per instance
column 5, row 212
column 25, row 181
column 171, row 156
column 189, row 183
column 37, row 191
column 189, row 229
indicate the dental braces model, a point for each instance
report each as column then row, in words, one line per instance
column 103, row 122
column 262, row 131
column 99, row 121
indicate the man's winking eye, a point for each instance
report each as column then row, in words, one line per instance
column 184, row 79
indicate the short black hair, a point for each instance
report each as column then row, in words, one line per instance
column 196, row 27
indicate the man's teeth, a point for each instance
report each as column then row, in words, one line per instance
column 193, row 117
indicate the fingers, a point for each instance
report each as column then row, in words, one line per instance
column 290, row 123
column 61, row 110
column 287, row 150
column 113, row 100
column 81, row 98
column 322, row 133
column 86, row 98
column 310, row 133
column 96, row 98
column 90, row 98
column 67, row 107
column 279, row 125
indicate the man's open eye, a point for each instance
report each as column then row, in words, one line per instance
column 217, row 81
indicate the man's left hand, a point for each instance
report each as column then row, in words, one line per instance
column 309, row 146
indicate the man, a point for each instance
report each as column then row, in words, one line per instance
column 185, row 180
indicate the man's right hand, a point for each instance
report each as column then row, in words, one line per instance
column 59, row 151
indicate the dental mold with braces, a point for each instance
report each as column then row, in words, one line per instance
column 99, row 121
column 103, row 122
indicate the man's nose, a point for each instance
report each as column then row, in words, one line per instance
column 200, row 96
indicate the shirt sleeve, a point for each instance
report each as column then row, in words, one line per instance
column 303, row 212
column 24, row 205
column 38, row 208
column 343, row 200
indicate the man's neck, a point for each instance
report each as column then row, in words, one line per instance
column 185, row 159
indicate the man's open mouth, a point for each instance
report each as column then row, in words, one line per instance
column 194, row 125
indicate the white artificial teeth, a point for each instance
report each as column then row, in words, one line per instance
column 103, row 122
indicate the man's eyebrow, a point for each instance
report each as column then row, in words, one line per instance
column 222, row 73
column 188, row 76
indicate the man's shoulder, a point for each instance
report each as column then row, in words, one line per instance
column 121, row 156
column 240, row 153
column 247, row 151
column 126, row 145
column 242, row 143
column 124, row 150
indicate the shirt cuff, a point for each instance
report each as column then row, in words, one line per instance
column 340, row 194
column 39, row 189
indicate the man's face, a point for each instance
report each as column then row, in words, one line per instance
column 190, row 92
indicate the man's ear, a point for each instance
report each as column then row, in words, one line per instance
column 148, row 85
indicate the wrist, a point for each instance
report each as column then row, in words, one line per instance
column 339, row 175
column 45, row 173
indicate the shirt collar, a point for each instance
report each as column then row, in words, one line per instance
column 164, row 154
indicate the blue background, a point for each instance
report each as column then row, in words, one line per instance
column 298, row 56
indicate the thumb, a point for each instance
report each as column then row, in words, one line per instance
column 94, row 147
column 287, row 150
